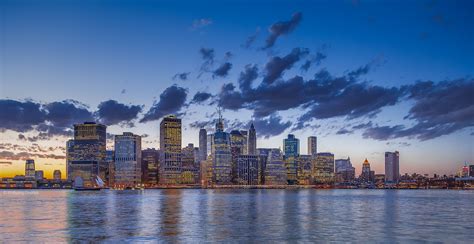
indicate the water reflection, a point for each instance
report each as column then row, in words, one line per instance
column 190, row 216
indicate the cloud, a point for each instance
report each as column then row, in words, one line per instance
column 271, row 126
column 251, row 39
column 112, row 112
column 181, row 76
column 201, row 23
column 20, row 116
column 439, row 109
column 343, row 131
column 314, row 60
column 282, row 28
column 171, row 101
column 223, row 70
column 5, row 163
column 26, row 155
column 277, row 65
column 200, row 97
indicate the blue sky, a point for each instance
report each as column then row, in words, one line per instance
column 129, row 52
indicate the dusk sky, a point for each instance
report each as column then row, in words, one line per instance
column 365, row 77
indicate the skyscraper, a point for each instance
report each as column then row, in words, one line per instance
column 86, row 154
column 248, row 170
column 30, row 169
column 127, row 160
column 170, row 146
column 275, row 172
column 202, row 144
column 237, row 144
column 222, row 158
column 344, row 170
column 150, row 166
column 323, row 170
column 252, row 141
column 305, row 169
column 392, row 166
column 365, row 175
column 312, row 146
column 291, row 146
column 245, row 134
column 210, row 144
column 190, row 170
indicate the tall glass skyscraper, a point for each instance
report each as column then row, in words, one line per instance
column 275, row 172
column 323, row 171
column 127, row 160
column 248, row 172
column 222, row 158
column 202, row 144
column 252, row 141
column 86, row 153
column 30, row 169
column 291, row 146
column 170, row 146
column 312, row 146
column 237, row 145
column 392, row 166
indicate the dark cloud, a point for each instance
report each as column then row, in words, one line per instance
column 439, row 109
column 200, row 97
column 181, row 76
column 316, row 60
column 282, row 28
column 271, row 126
column 7, row 155
column 251, row 39
column 66, row 113
column 344, row 131
column 112, row 112
column 276, row 66
column 20, row 116
column 123, row 91
column 223, row 70
column 207, row 54
column 171, row 101
column 5, row 163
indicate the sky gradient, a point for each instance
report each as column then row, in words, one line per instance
column 365, row 77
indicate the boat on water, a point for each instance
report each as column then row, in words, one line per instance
column 98, row 184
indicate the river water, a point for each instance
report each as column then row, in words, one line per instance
column 195, row 215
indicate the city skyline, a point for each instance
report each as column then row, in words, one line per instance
column 381, row 91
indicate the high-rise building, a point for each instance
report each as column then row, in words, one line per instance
column 305, row 169
column 30, row 169
column 344, row 170
column 210, row 144
column 57, row 175
column 110, row 174
column 237, row 144
column 150, row 166
column 202, row 144
column 245, row 134
column 392, row 167
column 312, row 146
column 86, row 153
column 170, row 146
column 275, row 172
column 222, row 157
column 190, row 169
column 128, row 160
column 365, row 174
column 471, row 170
column 263, row 157
column 252, row 141
column 248, row 172
column 291, row 146
column 323, row 168
column 39, row 175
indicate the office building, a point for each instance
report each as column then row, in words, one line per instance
column 210, row 144
column 248, row 170
column 202, row 144
column 39, row 175
column 344, row 172
column 323, row 168
column 312, row 146
column 86, row 154
column 392, row 167
column 190, row 168
column 275, row 172
column 291, row 146
column 305, row 169
column 222, row 157
column 365, row 175
column 170, row 146
column 237, row 144
column 127, row 161
column 245, row 134
column 150, row 167
column 30, row 169
column 252, row 141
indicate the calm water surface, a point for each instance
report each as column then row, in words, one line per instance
column 237, row 215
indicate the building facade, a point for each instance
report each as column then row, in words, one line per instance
column 365, row 173
column 305, row 169
column 237, row 145
column 392, row 167
column 30, row 169
column 312, row 146
column 291, row 146
column 222, row 157
column 170, row 146
column 127, row 161
column 150, row 167
column 344, row 172
column 323, row 168
column 248, row 172
column 275, row 172
column 86, row 153
column 252, row 141
column 202, row 144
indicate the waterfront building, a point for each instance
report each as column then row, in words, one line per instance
column 312, row 146
column 150, row 167
column 127, row 160
column 263, row 157
column 305, row 169
column 170, row 145
column 248, row 170
column 202, row 144
column 190, row 172
column 291, row 146
column 252, row 141
column 57, row 175
column 344, row 172
column 365, row 174
column 323, row 168
column 110, row 173
column 86, row 153
column 237, row 144
column 30, row 169
column 245, row 134
column 39, row 175
column 222, row 157
column 275, row 172
column 210, row 144
column 392, row 167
